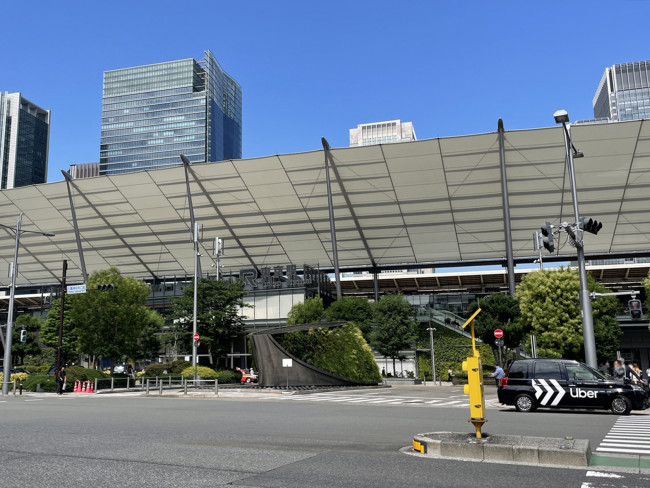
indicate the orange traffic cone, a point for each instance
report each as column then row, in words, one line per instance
column 76, row 387
column 91, row 387
column 83, row 387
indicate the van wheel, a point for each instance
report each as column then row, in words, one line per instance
column 525, row 403
column 248, row 380
column 621, row 405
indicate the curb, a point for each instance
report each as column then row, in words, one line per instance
column 546, row 451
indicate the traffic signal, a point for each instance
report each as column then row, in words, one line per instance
column 635, row 308
column 590, row 225
column 474, row 387
column 23, row 335
column 547, row 239
column 106, row 287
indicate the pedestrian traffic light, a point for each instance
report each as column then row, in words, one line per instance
column 106, row 287
column 23, row 335
column 635, row 308
column 590, row 225
column 547, row 239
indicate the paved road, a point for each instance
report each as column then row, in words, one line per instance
column 103, row 440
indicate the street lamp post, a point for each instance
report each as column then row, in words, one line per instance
column 6, row 365
column 433, row 357
column 562, row 117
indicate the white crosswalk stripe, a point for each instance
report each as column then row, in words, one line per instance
column 372, row 399
column 629, row 435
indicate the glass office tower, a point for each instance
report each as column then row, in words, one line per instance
column 153, row 113
column 624, row 92
column 24, row 141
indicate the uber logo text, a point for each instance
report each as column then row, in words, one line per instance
column 578, row 393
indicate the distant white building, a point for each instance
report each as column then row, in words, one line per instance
column 382, row 133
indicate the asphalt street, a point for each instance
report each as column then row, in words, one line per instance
column 248, row 440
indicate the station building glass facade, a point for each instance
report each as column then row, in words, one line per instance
column 153, row 113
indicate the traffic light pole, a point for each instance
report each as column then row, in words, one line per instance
column 585, row 302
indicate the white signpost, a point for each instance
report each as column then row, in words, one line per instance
column 287, row 363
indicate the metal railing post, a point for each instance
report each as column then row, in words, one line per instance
column 112, row 383
column 216, row 387
column 160, row 388
column 148, row 379
column 127, row 383
column 184, row 386
column 14, row 387
column 95, row 389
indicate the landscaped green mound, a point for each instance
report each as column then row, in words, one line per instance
column 341, row 351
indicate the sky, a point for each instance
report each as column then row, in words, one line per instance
column 317, row 69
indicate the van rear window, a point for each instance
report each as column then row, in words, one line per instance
column 548, row 370
column 518, row 370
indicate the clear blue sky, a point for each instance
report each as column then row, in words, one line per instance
column 311, row 69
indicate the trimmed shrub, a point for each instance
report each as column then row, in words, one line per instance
column 201, row 371
column 47, row 382
column 227, row 376
column 157, row 369
column 15, row 377
column 178, row 366
column 79, row 373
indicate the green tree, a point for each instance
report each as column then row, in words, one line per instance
column 550, row 309
column 111, row 324
column 308, row 312
column 149, row 343
column 21, row 349
column 50, row 331
column 498, row 311
column 393, row 326
column 218, row 318
column 351, row 309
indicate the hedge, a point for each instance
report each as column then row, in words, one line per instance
column 47, row 382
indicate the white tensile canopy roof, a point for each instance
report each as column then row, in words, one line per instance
column 435, row 200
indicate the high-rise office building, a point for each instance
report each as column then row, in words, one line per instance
column 24, row 141
column 153, row 113
column 624, row 92
column 382, row 133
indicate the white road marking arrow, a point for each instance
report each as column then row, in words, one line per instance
column 560, row 392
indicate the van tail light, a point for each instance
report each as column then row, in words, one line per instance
column 504, row 381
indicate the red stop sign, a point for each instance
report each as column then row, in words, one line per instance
column 498, row 333
column 196, row 337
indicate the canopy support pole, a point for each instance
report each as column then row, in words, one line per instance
column 506, row 213
column 335, row 253
column 80, row 251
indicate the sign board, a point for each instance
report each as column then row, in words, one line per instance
column 498, row 342
column 72, row 289
column 498, row 333
column 287, row 363
column 196, row 337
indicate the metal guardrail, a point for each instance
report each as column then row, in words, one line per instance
column 156, row 383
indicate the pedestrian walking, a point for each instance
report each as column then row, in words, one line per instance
column 59, row 376
column 619, row 370
column 498, row 374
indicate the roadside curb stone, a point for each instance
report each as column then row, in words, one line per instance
column 548, row 451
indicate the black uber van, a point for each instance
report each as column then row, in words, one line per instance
column 564, row 383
